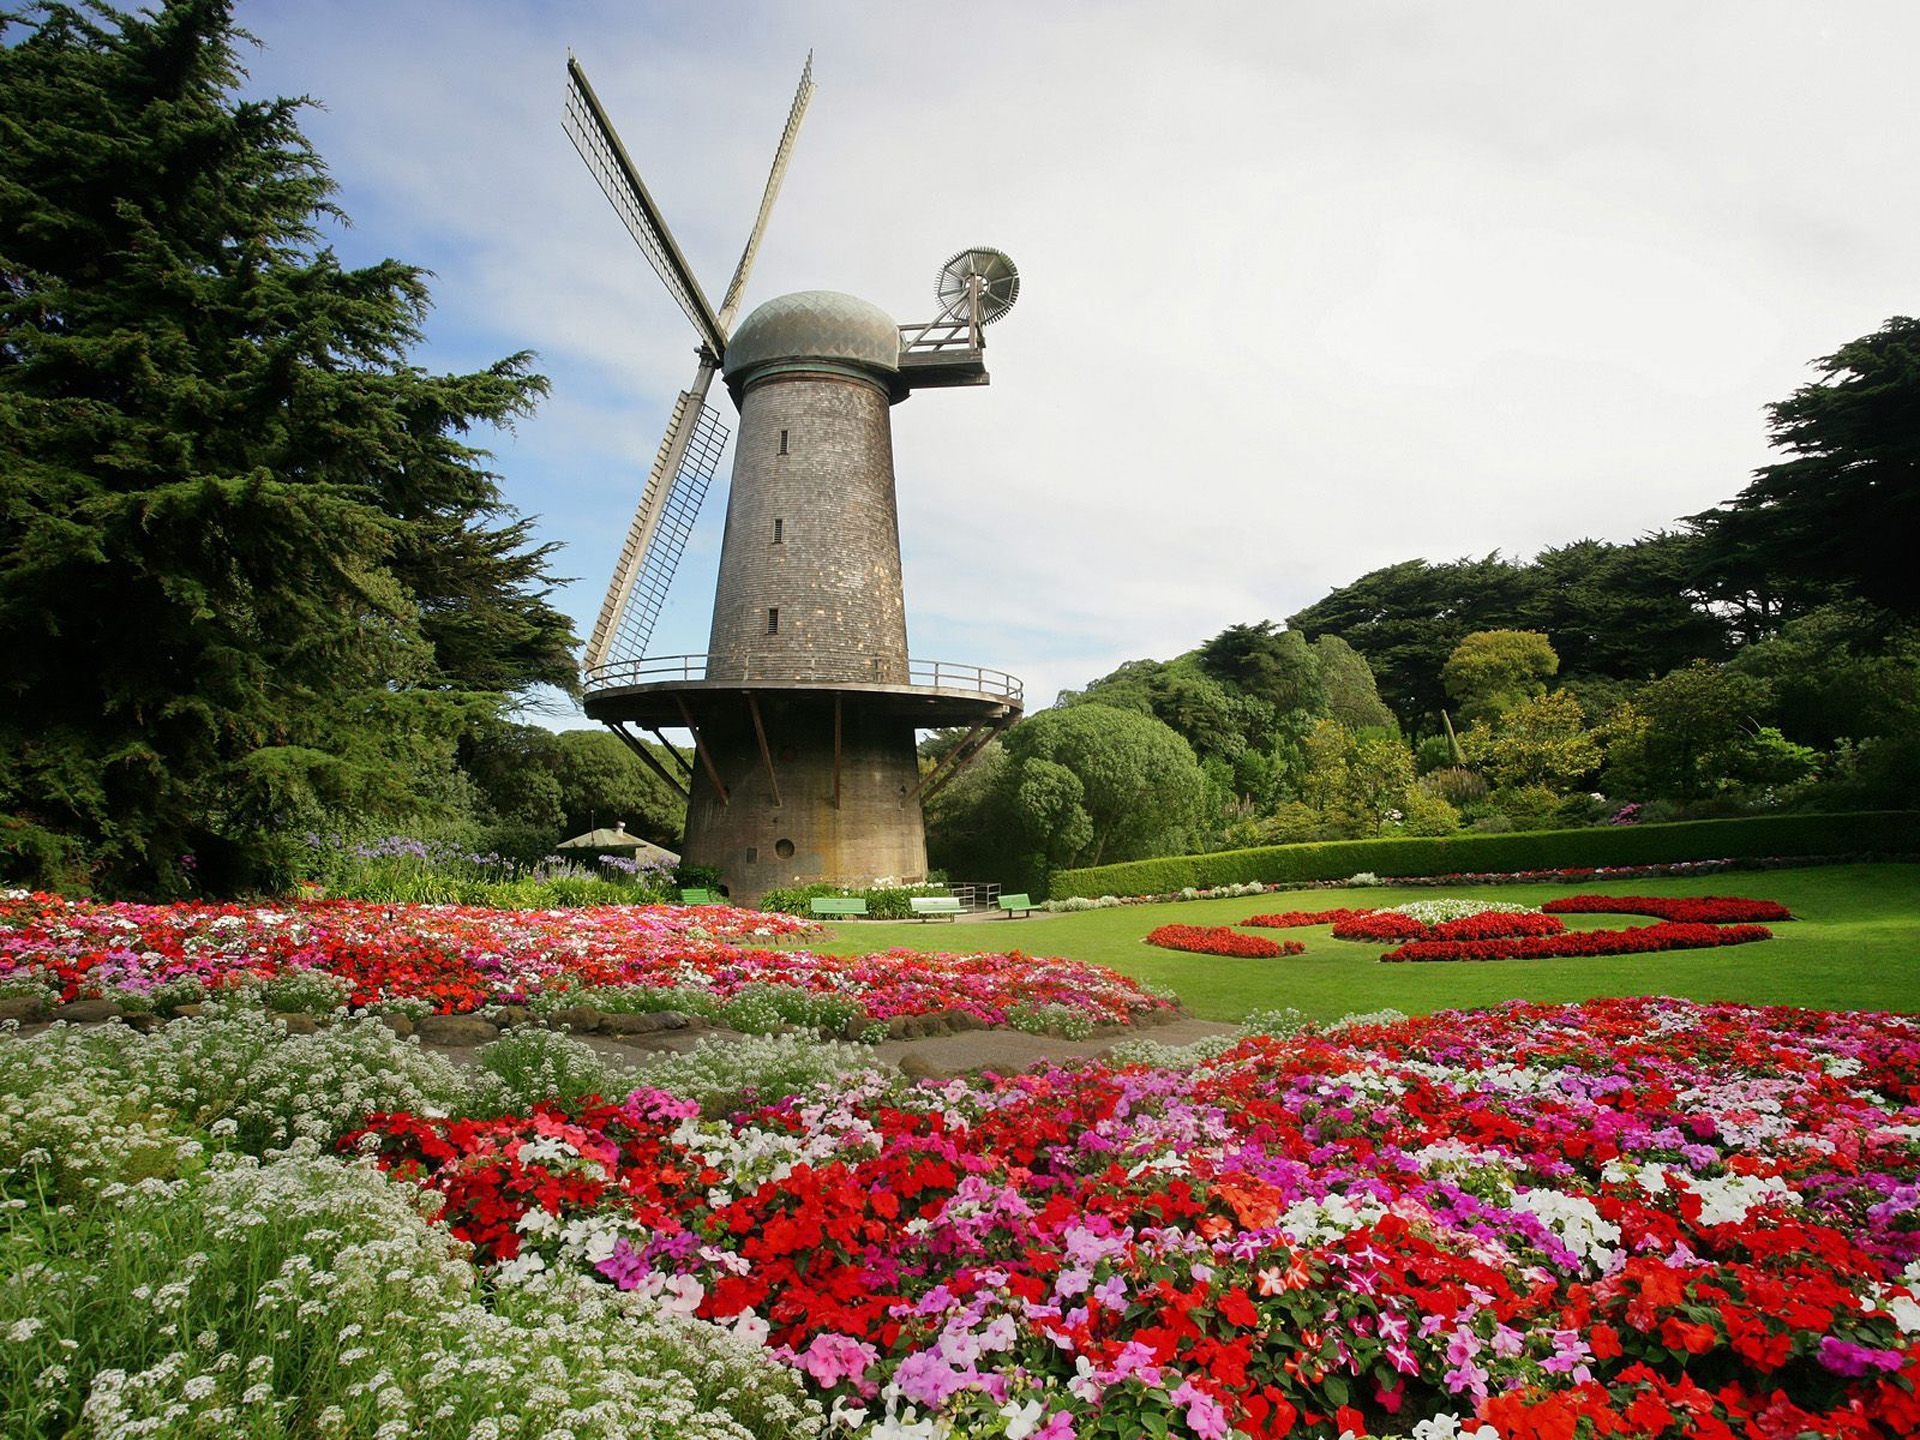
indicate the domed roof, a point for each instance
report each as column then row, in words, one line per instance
column 815, row 325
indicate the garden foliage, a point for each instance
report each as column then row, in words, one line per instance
column 252, row 566
column 1890, row 832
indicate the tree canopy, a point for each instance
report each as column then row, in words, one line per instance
column 1845, row 507
column 1493, row 671
column 251, row 563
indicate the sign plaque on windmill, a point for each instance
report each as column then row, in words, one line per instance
column 804, row 707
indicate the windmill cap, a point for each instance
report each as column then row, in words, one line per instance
column 815, row 325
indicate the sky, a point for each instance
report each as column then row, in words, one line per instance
column 1306, row 289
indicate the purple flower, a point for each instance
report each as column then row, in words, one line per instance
column 1843, row 1357
column 624, row 1267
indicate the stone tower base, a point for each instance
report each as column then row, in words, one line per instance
column 786, row 828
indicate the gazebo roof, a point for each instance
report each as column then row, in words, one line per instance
column 618, row 840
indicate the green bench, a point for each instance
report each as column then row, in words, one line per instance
column 930, row 907
column 840, row 905
column 699, row 897
column 1011, row 903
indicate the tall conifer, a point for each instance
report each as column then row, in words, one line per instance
column 250, row 566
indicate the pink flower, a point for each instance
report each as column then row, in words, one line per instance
column 1206, row 1416
column 832, row 1358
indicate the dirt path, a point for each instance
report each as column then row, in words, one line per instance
column 1006, row 1051
column 964, row 1051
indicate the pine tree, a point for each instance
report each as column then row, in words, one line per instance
column 250, row 566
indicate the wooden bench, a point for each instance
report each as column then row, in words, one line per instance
column 844, row 906
column 1011, row 903
column 699, row 897
column 930, row 907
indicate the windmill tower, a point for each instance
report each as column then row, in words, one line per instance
column 804, row 708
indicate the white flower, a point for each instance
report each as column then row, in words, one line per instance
column 1021, row 1418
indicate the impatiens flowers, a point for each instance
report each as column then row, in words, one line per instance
column 458, row 959
column 1455, row 929
column 1626, row 1218
column 1220, row 940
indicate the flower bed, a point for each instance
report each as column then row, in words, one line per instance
column 1293, row 919
column 1641, row 1217
column 1388, row 925
column 1642, row 940
column 1692, row 909
column 1221, row 940
column 453, row 959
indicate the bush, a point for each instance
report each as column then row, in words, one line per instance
column 885, row 902
column 1454, row 784
column 1882, row 832
column 1423, row 813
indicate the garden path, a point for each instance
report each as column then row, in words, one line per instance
column 938, row 1055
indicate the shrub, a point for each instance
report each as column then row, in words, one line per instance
column 1423, row 813
column 1454, row 784
column 884, row 902
column 1763, row 836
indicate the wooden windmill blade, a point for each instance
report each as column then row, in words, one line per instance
column 690, row 452
column 593, row 135
column 730, row 305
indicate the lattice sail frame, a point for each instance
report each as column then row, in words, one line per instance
column 657, row 537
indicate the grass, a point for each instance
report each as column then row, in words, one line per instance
column 1854, row 946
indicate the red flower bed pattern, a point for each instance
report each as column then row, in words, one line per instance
column 1292, row 919
column 1487, row 925
column 1645, row 939
column 1221, row 940
column 1690, row 909
column 1629, row 1218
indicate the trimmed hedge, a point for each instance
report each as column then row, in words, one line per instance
column 1882, row 832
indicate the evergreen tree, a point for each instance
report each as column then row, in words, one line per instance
column 249, row 564
column 1844, row 509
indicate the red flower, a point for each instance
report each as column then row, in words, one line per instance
column 1219, row 940
column 1694, row 909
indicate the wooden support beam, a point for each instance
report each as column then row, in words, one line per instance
column 700, row 749
column 639, row 747
column 836, row 749
column 679, row 760
column 942, row 763
column 766, row 755
column 970, row 756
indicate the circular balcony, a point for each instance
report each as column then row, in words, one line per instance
column 673, row 690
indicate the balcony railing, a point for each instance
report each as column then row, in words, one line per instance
column 809, row 669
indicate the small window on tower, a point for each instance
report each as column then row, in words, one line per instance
column 779, row 531
column 773, row 621
column 783, row 442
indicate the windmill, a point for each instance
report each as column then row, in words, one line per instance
column 804, row 708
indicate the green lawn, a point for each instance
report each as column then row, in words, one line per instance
column 1854, row 946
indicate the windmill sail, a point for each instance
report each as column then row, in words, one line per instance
column 688, row 459
column 689, row 455
column 593, row 136
column 783, row 152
